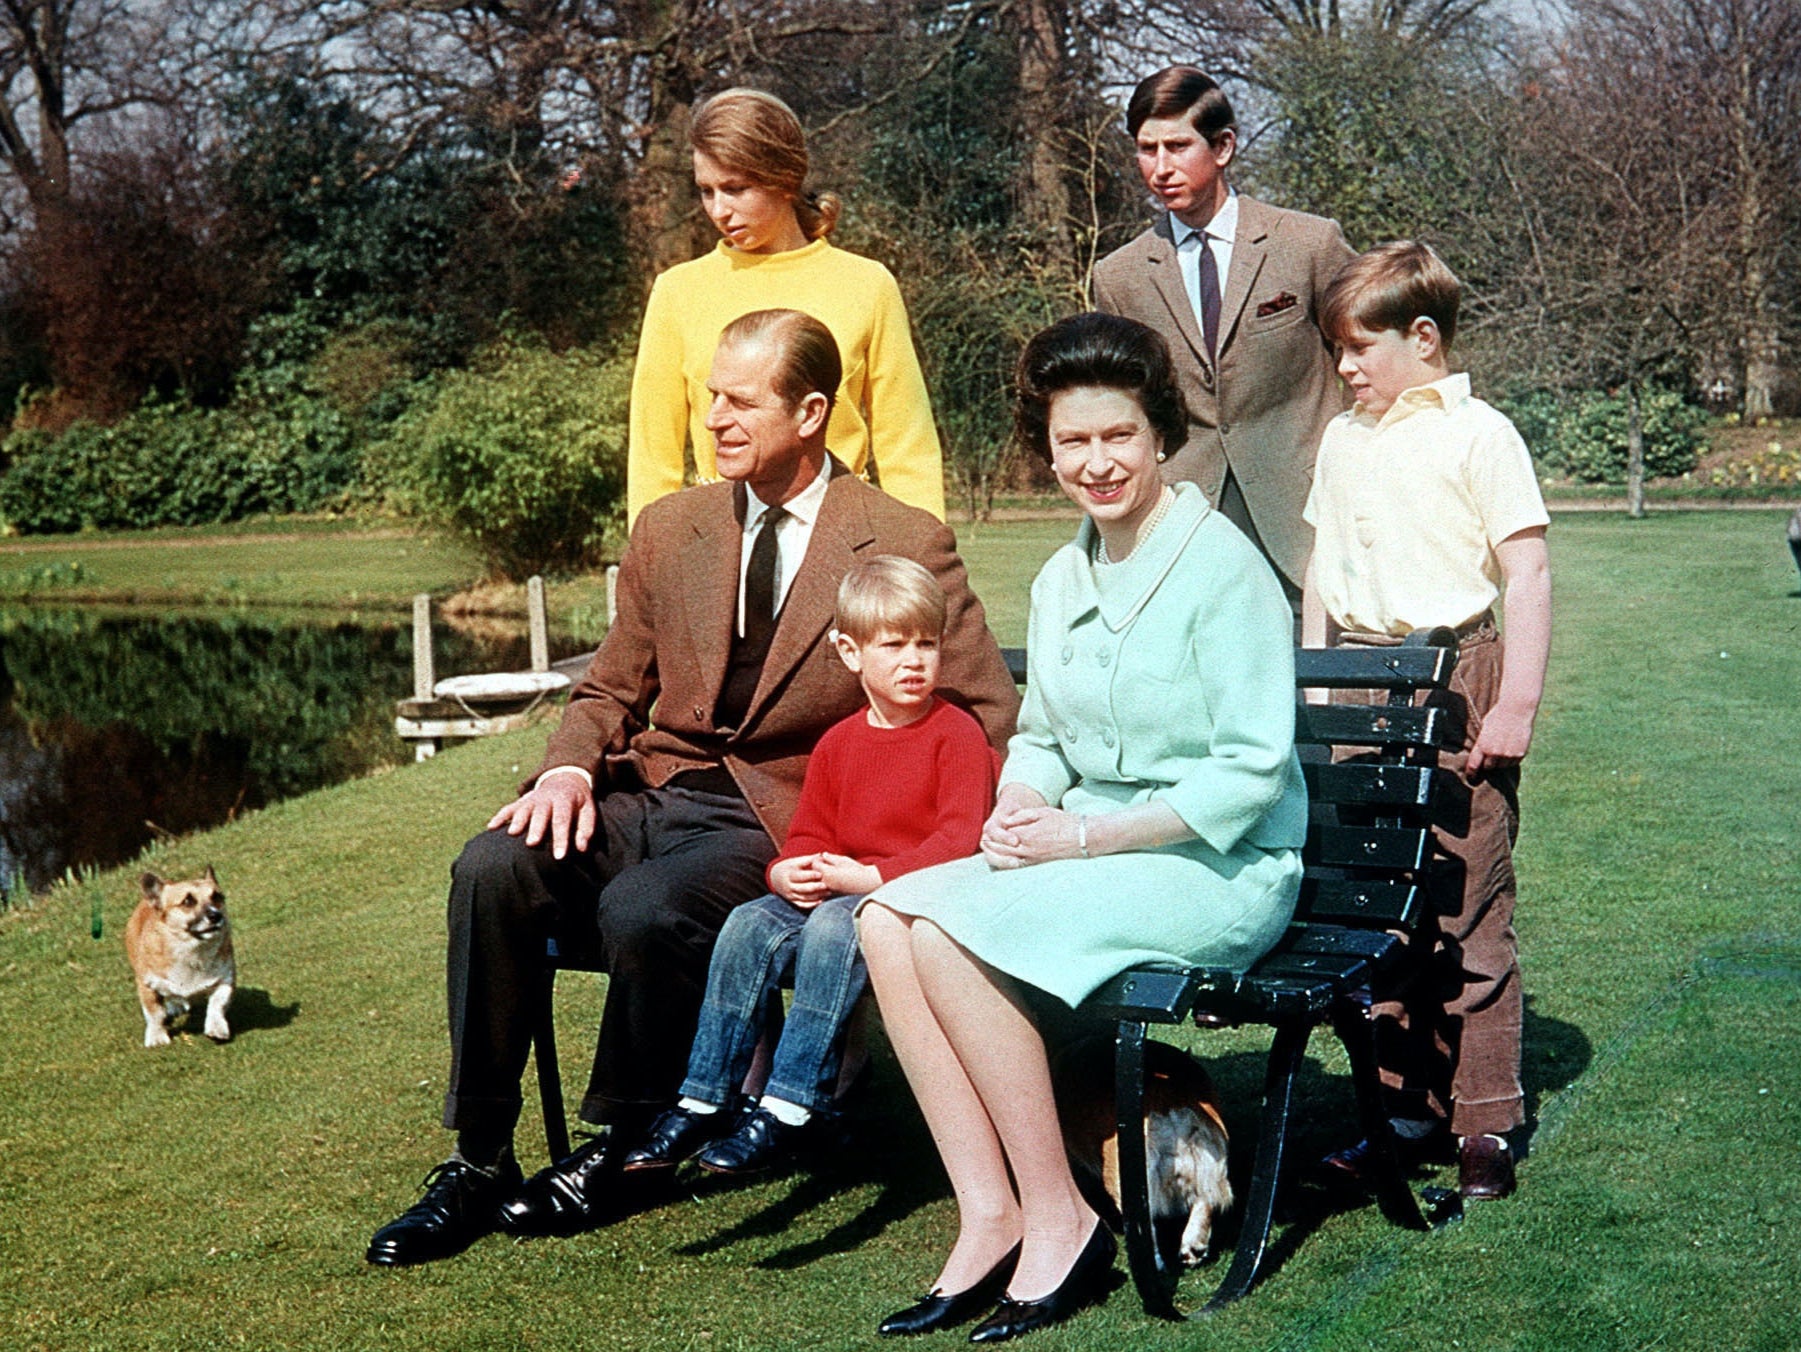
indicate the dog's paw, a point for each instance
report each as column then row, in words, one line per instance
column 217, row 1031
column 156, row 1037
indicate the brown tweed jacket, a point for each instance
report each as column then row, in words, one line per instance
column 1262, row 407
column 647, row 698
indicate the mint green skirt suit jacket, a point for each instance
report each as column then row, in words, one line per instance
column 1168, row 676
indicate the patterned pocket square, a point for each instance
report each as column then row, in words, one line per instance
column 1274, row 306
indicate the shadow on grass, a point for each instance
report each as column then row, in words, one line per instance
column 253, row 1011
column 1556, row 1055
column 888, row 1149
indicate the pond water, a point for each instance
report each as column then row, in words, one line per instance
column 117, row 727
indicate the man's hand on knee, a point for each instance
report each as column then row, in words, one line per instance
column 556, row 802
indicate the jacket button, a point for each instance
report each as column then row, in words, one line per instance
column 1105, row 657
column 1225, row 429
column 1107, row 737
column 700, row 714
column 1068, row 654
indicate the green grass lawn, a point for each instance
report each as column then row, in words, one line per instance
column 222, row 1196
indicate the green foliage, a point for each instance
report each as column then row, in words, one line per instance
column 523, row 455
column 437, row 233
column 1375, row 129
column 1582, row 435
column 281, row 450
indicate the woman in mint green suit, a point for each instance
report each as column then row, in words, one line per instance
column 1151, row 810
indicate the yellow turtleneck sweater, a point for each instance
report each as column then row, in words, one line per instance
column 882, row 414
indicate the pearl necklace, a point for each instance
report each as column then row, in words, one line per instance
column 1164, row 500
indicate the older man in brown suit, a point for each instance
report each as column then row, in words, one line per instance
column 1232, row 285
column 634, row 839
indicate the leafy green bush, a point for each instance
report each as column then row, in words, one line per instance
column 1582, row 435
column 276, row 450
column 523, row 455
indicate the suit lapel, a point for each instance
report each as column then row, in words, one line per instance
column 812, row 599
column 1250, row 246
column 1166, row 279
column 712, row 601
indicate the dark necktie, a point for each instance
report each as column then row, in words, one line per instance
column 1209, row 270
column 760, row 580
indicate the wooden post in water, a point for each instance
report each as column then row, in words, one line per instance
column 423, row 678
column 540, row 629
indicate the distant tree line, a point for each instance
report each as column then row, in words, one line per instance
column 248, row 251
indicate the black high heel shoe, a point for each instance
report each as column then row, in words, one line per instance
column 1085, row 1285
column 941, row 1311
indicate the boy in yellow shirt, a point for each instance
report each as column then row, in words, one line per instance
column 1426, row 512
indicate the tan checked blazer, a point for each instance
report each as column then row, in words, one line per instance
column 1262, row 407
column 647, row 698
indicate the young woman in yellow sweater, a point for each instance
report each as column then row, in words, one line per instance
column 750, row 165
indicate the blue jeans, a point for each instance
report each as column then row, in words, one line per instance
column 762, row 942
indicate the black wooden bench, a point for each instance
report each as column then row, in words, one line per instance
column 1368, row 855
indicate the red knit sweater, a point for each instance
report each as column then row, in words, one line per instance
column 896, row 798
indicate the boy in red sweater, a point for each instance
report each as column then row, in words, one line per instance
column 905, row 783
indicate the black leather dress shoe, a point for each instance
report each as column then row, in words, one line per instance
column 941, row 1311
column 568, row 1196
column 460, row 1205
column 1085, row 1285
column 674, row 1136
column 760, row 1141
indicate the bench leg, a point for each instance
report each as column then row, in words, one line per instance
column 1352, row 1023
column 1272, row 1144
column 550, row 1081
column 1155, row 1285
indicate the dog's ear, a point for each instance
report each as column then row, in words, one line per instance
column 153, row 888
column 210, row 876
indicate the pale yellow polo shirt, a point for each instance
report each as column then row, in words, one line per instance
column 1407, row 509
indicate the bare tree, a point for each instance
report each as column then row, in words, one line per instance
column 1733, row 67
column 1614, row 227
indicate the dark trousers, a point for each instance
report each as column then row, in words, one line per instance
column 647, row 899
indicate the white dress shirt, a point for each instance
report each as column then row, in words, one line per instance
column 792, row 535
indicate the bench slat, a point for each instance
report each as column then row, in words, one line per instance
column 1375, row 902
column 1369, row 668
column 1144, row 993
column 1357, row 784
column 1392, row 848
column 1378, row 725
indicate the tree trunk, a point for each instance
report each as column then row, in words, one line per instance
column 1635, row 453
column 1043, row 85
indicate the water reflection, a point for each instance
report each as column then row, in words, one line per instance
column 114, row 727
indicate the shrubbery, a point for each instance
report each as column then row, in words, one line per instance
column 1582, row 435
column 168, row 464
column 523, row 454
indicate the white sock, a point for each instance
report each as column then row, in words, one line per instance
column 696, row 1107
column 789, row 1114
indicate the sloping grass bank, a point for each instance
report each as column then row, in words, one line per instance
column 222, row 1196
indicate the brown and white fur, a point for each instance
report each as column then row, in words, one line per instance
column 178, row 941
column 1185, row 1136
